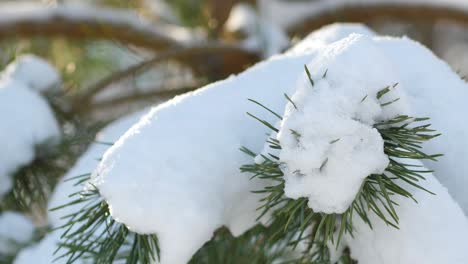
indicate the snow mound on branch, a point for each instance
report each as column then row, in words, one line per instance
column 184, row 171
column 42, row 252
column 27, row 121
column 34, row 72
column 15, row 230
column 329, row 145
column 433, row 230
column 176, row 172
column 436, row 91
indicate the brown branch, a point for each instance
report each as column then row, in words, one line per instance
column 164, row 93
column 20, row 20
column 195, row 56
column 367, row 12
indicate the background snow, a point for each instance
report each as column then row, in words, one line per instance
column 15, row 230
column 27, row 119
column 262, row 35
column 42, row 252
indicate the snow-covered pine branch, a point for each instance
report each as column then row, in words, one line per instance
column 27, row 119
column 43, row 251
column 175, row 174
column 345, row 152
column 215, row 200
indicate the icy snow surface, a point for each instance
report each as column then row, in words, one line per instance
column 15, row 229
column 27, row 121
column 42, row 252
column 329, row 145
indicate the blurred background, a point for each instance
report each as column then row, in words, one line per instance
column 116, row 57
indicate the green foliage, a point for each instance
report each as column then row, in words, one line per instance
column 403, row 137
column 252, row 247
column 91, row 233
column 191, row 12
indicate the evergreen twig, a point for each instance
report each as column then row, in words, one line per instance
column 403, row 137
column 92, row 233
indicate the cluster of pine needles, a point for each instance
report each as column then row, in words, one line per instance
column 91, row 232
column 299, row 225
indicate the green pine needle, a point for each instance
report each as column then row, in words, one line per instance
column 91, row 233
column 403, row 137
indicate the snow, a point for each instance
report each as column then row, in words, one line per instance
column 35, row 73
column 42, row 252
column 435, row 91
column 337, row 146
column 183, row 159
column 27, row 121
column 175, row 173
column 319, row 120
column 433, row 230
column 329, row 34
column 262, row 35
column 15, row 230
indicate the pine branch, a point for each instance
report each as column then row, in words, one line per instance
column 189, row 55
column 403, row 137
column 92, row 233
column 33, row 183
column 252, row 247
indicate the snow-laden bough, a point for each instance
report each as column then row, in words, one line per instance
column 196, row 193
column 173, row 178
column 27, row 119
column 347, row 154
